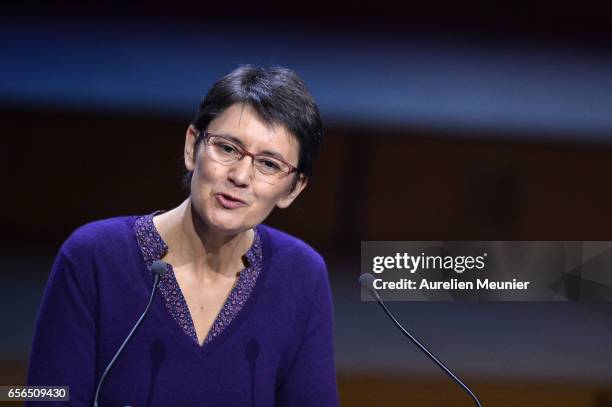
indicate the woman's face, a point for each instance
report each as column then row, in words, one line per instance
column 233, row 198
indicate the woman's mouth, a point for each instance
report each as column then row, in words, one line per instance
column 229, row 202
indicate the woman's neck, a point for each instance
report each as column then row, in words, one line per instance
column 193, row 245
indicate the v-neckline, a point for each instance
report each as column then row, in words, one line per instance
column 154, row 248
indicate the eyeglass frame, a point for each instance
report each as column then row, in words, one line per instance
column 244, row 152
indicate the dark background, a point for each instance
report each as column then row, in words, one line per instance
column 466, row 122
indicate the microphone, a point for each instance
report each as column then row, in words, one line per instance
column 367, row 281
column 158, row 268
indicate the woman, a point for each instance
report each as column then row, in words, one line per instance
column 243, row 316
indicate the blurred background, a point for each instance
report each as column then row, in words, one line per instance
column 480, row 121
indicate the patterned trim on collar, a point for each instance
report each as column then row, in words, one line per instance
column 154, row 248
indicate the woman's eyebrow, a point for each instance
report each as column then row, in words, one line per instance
column 272, row 154
column 269, row 153
column 232, row 138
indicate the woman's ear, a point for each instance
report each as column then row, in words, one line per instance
column 300, row 184
column 190, row 140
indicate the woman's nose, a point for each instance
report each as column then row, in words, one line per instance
column 241, row 172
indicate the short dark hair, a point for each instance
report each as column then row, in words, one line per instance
column 279, row 96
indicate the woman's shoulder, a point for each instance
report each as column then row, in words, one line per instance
column 282, row 243
column 291, row 253
column 99, row 235
column 297, row 275
column 90, row 251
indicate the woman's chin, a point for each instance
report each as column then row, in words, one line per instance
column 228, row 226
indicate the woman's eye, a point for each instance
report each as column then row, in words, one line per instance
column 227, row 148
column 270, row 164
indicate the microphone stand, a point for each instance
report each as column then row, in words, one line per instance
column 158, row 268
column 375, row 295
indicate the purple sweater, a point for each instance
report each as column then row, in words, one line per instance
column 277, row 350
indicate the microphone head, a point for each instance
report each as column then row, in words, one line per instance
column 367, row 281
column 158, row 268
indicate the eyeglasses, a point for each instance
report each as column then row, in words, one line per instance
column 225, row 151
